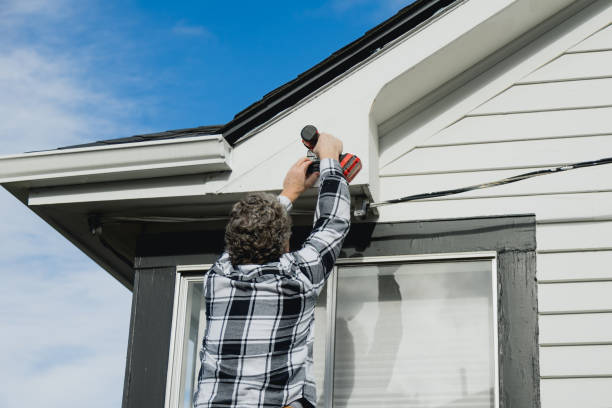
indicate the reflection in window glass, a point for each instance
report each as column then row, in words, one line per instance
column 415, row 335
column 319, row 345
column 195, row 324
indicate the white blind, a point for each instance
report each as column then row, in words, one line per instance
column 415, row 335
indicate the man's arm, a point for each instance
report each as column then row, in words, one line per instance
column 318, row 255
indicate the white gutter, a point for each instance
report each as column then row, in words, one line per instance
column 171, row 157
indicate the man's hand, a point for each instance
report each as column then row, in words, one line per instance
column 296, row 181
column 328, row 147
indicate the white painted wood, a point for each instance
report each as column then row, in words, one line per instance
column 601, row 40
column 575, row 328
column 575, row 265
column 415, row 124
column 547, row 96
column 575, row 361
column 576, row 392
column 586, row 179
column 577, row 296
column 201, row 154
column 576, row 235
column 532, row 125
column 583, row 65
column 514, row 16
column 546, row 207
column 487, row 156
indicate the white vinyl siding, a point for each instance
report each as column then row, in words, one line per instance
column 558, row 114
column 526, row 126
column 571, row 266
column 504, row 155
column 589, row 328
column 601, row 40
column 576, row 392
column 548, row 96
column 575, row 361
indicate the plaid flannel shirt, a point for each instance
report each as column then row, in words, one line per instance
column 258, row 343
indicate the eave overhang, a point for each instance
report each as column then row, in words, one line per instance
column 127, row 161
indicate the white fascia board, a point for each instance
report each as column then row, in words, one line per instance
column 170, row 157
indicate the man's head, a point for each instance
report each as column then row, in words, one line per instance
column 258, row 230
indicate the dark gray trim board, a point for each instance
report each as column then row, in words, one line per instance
column 511, row 237
column 149, row 340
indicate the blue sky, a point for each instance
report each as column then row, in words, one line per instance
column 78, row 71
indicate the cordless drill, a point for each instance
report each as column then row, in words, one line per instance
column 351, row 164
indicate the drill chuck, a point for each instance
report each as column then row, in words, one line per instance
column 310, row 136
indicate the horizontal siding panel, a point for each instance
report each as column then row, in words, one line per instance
column 601, row 40
column 575, row 361
column 576, row 328
column 546, row 96
column 532, row 125
column 576, row 392
column 546, row 207
column 574, row 66
column 576, row 235
column 585, row 179
column 575, row 297
column 500, row 155
column 575, row 265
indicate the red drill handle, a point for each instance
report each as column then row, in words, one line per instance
column 350, row 163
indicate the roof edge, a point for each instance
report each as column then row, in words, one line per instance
column 202, row 154
column 332, row 67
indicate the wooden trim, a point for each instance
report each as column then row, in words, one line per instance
column 149, row 341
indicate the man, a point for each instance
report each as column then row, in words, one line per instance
column 260, row 299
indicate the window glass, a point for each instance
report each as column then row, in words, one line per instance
column 195, row 322
column 320, row 341
column 415, row 335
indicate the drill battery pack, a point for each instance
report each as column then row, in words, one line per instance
column 350, row 164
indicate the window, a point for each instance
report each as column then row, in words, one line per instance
column 414, row 331
column 188, row 328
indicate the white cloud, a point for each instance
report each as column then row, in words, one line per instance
column 66, row 339
column 183, row 28
column 64, row 321
column 11, row 8
column 44, row 105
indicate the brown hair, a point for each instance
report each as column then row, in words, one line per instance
column 258, row 230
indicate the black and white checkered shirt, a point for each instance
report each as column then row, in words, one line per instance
column 257, row 347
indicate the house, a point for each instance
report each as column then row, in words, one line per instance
column 492, row 298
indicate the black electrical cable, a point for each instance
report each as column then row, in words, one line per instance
column 513, row 179
column 362, row 212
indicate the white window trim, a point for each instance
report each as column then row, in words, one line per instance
column 184, row 276
column 177, row 334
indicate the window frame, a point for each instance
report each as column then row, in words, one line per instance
column 186, row 274
column 330, row 341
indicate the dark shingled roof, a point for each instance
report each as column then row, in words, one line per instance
column 168, row 134
column 292, row 92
